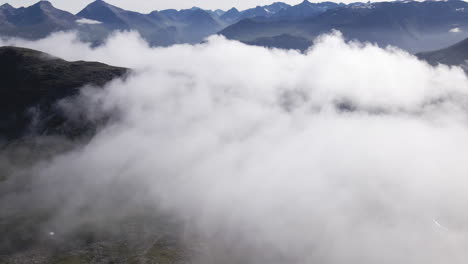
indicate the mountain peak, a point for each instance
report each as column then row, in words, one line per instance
column 231, row 15
column 305, row 3
column 6, row 6
column 100, row 4
column 277, row 6
column 44, row 4
column 102, row 11
column 233, row 10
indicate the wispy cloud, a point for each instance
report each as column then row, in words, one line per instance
column 87, row 21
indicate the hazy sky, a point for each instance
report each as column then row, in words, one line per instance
column 150, row 5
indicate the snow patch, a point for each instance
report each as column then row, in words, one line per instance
column 88, row 21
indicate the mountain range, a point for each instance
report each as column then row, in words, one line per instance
column 413, row 26
column 410, row 25
column 99, row 19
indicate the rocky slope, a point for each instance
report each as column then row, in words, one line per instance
column 35, row 231
column 34, row 82
column 455, row 55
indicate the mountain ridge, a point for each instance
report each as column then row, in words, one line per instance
column 454, row 55
column 413, row 26
column 36, row 21
column 33, row 82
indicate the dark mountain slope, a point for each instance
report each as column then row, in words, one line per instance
column 455, row 55
column 33, row 82
column 35, row 230
column 284, row 41
column 36, row 21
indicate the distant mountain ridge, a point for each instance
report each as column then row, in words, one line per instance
column 159, row 28
column 413, row 26
column 36, row 21
column 306, row 9
column 410, row 25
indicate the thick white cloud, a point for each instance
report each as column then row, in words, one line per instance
column 87, row 21
column 346, row 154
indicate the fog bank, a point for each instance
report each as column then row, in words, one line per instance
column 348, row 153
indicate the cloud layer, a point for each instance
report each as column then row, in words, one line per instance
column 346, row 154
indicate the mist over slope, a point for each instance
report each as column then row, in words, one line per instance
column 34, row 82
column 348, row 153
column 456, row 54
